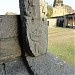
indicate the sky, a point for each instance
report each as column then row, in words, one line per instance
column 13, row 5
column 9, row 6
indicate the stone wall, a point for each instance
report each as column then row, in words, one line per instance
column 62, row 10
column 9, row 45
column 52, row 22
column 32, row 28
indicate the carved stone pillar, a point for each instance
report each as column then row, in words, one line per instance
column 65, row 22
column 73, row 21
column 34, row 28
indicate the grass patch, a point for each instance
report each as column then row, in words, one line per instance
column 61, row 42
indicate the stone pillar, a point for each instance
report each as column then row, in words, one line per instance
column 65, row 22
column 34, row 28
column 73, row 21
column 9, row 45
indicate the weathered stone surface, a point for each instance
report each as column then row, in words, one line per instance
column 16, row 67
column 1, row 69
column 8, row 26
column 37, row 36
column 9, row 44
column 36, row 27
column 0, row 32
column 9, row 48
column 13, row 67
column 49, row 65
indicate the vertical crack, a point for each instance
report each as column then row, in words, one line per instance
column 4, row 71
column 23, row 46
column 22, row 36
column 22, row 22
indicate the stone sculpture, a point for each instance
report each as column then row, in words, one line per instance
column 34, row 27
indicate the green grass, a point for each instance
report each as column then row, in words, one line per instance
column 61, row 42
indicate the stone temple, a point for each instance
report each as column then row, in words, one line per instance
column 63, row 15
column 58, row 3
column 60, row 9
column 23, row 43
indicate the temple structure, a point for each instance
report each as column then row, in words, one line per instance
column 63, row 15
column 60, row 9
column 58, row 3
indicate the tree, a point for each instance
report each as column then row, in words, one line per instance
column 49, row 11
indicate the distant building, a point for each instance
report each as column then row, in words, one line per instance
column 60, row 9
column 10, row 13
column 58, row 3
column 63, row 15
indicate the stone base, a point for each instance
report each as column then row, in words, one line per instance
column 14, row 67
column 49, row 65
column 42, row 65
column 9, row 43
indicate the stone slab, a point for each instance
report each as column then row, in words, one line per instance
column 49, row 65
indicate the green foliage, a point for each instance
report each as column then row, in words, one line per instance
column 49, row 11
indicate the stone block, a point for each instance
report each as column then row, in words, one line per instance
column 1, row 69
column 15, row 67
column 9, row 44
column 9, row 48
column 48, row 64
column 37, row 36
column 8, row 26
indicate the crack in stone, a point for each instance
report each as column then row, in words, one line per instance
column 4, row 70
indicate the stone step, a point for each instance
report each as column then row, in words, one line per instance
column 49, row 65
column 13, row 67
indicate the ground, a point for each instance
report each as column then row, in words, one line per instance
column 61, row 42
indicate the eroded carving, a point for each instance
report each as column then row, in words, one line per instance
column 36, row 29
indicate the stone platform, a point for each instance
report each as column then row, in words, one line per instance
column 42, row 65
column 13, row 67
column 50, row 65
